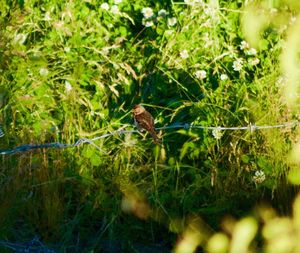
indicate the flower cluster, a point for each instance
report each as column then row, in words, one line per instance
column 238, row 64
column 147, row 12
column 20, row 39
column 149, row 18
column 172, row 21
column 44, row 71
column 184, row 54
column 217, row 133
column 223, row 77
column 68, row 86
column 200, row 74
column 193, row 2
column 250, row 54
column 259, row 177
column 114, row 9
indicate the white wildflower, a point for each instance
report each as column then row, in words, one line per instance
column 223, row 77
column 231, row 51
column 118, row 1
column 147, row 23
column 244, row 45
column 105, row 50
column 68, row 86
column 129, row 141
column 44, row 72
column 217, row 133
column 67, row 14
column 147, row 12
column 273, row 11
column 251, row 51
column 200, row 74
column 169, row 32
column 207, row 23
column 47, row 16
column 254, row 61
column 207, row 40
column 189, row 2
column 67, row 49
column 172, row 21
column 20, row 38
column 206, row 37
column 184, row 54
column 105, row 6
column 209, row 11
column 293, row 19
column 282, row 28
column 281, row 81
column 162, row 13
column 115, row 9
column 238, row 64
column 58, row 24
column 259, row 177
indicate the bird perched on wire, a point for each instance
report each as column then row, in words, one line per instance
column 144, row 120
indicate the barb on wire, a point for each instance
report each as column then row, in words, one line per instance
column 186, row 126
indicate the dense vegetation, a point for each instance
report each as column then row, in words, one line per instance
column 74, row 69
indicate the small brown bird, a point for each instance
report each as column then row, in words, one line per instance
column 144, row 120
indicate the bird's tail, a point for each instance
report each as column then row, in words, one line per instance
column 155, row 137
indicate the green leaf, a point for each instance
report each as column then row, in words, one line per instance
column 123, row 31
column 245, row 158
column 185, row 149
column 88, row 152
column 160, row 30
column 264, row 164
column 96, row 159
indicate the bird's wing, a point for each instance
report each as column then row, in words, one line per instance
column 146, row 121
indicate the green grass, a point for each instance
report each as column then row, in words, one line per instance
column 72, row 70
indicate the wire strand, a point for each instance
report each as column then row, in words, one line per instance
column 186, row 126
column 33, row 246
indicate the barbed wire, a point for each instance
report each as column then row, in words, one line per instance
column 33, row 246
column 186, row 126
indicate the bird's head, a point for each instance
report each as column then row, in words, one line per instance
column 138, row 109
